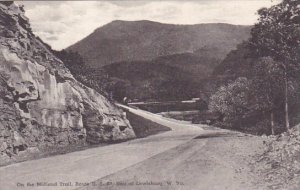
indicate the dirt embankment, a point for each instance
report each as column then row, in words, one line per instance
column 280, row 163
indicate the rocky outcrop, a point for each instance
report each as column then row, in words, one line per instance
column 41, row 104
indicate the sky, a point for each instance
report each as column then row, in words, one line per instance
column 63, row 23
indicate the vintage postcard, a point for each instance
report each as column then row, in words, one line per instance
column 150, row 95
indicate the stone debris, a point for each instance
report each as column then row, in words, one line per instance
column 280, row 163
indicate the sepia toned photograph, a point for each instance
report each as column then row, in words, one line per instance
column 150, row 95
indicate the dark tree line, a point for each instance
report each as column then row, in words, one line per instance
column 84, row 74
column 277, row 36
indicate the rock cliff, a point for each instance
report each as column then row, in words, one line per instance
column 41, row 104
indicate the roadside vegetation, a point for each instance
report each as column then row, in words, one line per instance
column 265, row 97
column 262, row 93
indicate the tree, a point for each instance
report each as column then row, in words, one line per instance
column 267, row 87
column 277, row 35
column 73, row 60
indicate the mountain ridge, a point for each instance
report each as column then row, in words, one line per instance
column 143, row 40
column 172, row 24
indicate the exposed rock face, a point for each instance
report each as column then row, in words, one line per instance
column 41, row 104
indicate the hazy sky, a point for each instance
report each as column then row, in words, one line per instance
column 62, row 23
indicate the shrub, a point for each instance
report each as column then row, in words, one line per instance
column 231, row 100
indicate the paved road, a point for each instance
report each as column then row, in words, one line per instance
column 96, row 163
column 213, row 160
column 210, row 162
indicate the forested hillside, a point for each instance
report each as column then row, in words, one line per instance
column 146, row 60
column 125, row 41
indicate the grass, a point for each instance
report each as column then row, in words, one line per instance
column 143, row 127
column 181, row 115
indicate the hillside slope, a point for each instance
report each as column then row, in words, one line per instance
column 145, row 81
column 41, row 104
column 279, row 164
column 146, row 40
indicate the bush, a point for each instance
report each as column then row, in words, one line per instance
column 231, row 100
